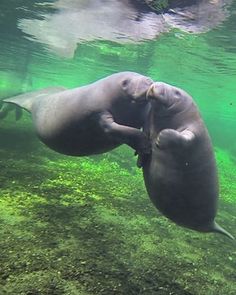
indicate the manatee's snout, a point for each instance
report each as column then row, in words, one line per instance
column 141, row 89
column 156, row 92
column 150, row 92
column 160, row 95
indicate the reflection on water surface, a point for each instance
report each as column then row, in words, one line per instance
column 122, row 21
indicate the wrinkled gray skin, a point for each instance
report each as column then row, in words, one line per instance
column 91, row 119
column 180, row 175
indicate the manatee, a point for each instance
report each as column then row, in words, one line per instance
column 180, row 174
column 91, row 119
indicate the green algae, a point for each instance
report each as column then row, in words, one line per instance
column 86, row 226
column 227, row 175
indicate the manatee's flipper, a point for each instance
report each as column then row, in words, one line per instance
column 133, row 137
column 26, row 100
column 18, row 113
column 170, row 138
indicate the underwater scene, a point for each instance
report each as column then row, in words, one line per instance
column 81, row 207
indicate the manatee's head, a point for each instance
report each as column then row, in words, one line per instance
column 136, row 86
column 166, row 98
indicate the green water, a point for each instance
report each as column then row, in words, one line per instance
column 86, row 225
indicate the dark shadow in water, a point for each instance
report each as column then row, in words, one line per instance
column 21, row 142
column 99, row 256
column 21, row 163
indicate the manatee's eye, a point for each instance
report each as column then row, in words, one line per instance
column 177, row 93
column 125, row 83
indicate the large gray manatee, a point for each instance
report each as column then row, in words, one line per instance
column 180, row 174
column 91, row 119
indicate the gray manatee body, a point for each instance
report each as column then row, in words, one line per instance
column 181, row 175
column 91, row 119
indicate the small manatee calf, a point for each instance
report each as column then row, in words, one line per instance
column 180, row 174
column 91, row 119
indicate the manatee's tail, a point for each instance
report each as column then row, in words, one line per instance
column 26, row 100
column 6, row 108
column 3, row 111
column 218, row 229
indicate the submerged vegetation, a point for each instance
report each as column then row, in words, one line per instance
column 227, row 175
column 86, row 226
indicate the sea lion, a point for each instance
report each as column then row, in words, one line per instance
column 180, row 174
column 91, row 119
